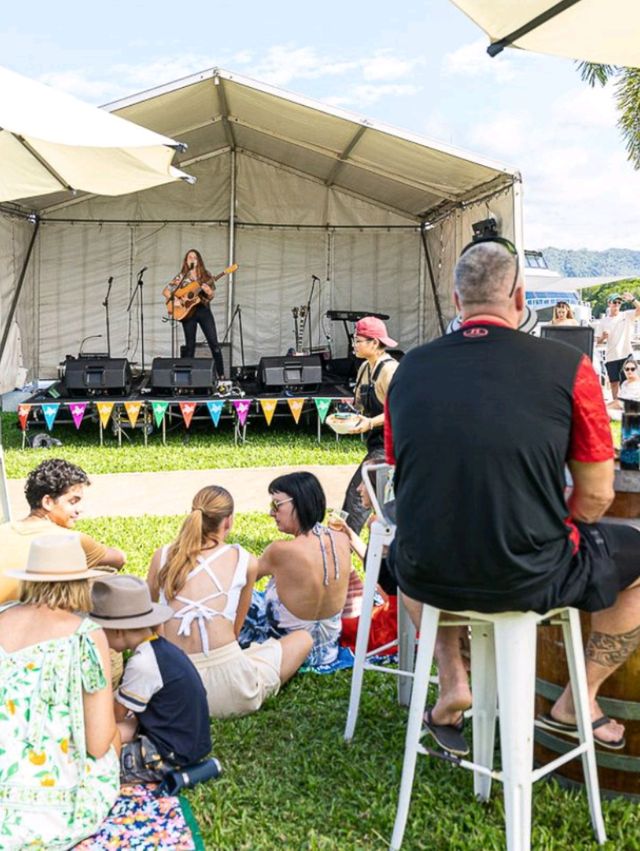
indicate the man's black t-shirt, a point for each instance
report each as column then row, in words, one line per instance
column 482, row 427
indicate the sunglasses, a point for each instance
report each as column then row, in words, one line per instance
column 629, row 369
column 275, row 504
column 505, row 243
column 617, row 301
column 357, row 340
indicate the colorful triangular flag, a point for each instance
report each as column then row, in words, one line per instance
column 159, row 410
column 133, row 412
column 242, row 409
column 77, row 412
column 268, row 408
column 215, row 409
column 187, row 409
column 295, row 406
column 104, row 411
column 50, row 412
column 23, row 415
column 322, row 406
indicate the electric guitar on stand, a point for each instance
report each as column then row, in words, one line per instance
column 185, row 297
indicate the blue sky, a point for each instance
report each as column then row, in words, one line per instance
column 418, row 65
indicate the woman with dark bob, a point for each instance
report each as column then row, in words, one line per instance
column 309, row 574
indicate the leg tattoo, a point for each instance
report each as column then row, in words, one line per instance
column 611, row 651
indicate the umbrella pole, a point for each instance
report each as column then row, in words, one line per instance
column 18, row 289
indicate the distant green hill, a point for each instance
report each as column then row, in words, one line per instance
column 584, row 263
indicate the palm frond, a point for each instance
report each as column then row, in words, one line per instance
column 628, row 105
column 594, row 73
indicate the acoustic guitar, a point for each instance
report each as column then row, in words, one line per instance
column 184, row 298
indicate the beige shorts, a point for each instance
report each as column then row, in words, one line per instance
column 239, row 681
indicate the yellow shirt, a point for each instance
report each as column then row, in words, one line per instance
column 15, row 540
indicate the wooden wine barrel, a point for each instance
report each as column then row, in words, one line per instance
column 619, row 771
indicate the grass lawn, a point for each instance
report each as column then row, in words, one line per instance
column 290, row 782
column 201, row 447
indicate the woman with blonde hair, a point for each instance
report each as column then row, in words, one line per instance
column 563, row 314
column 209, row 584
column 59, row 770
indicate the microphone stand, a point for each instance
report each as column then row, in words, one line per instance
column 105, row 304
column 237, row 312
column 138, row 289
column 314, row 279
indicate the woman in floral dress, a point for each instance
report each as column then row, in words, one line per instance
column 59, row 771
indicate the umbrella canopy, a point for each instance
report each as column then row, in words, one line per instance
column 51, row 141
column 604, row 31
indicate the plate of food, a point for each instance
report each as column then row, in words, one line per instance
column 343, row 423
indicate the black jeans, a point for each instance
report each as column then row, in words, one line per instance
column 203, row 317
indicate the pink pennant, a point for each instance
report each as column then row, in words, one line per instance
column 242, row 409
column 77, row 412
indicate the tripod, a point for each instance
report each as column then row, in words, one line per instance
column 138, row 292
column 237, row 312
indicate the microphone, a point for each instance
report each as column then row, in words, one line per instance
column 192, row 265
column 110, row 281
column 144, row 269
column 315, row 278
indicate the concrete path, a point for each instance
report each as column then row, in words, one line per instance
column 133, row 494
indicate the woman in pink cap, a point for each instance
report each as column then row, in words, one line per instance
column 370, row 342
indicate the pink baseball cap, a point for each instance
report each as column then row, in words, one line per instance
column 374, row 329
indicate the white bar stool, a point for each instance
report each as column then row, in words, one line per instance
column 503, row 668
column 381, row 534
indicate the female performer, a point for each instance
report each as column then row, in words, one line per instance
column 194, row 270
column 208, row 584
column 370, row 342
column 563, row 314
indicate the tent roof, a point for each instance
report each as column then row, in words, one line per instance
column 215, row 111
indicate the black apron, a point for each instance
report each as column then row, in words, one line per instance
column 369, row 404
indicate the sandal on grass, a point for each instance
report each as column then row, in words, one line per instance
column 548, row 722
column 447, row 736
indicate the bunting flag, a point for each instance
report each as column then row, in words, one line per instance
column 322, row 406
column 159, row 410
column 215, row 409
column 23, row 415
column 133, row 412
column 187, row 410
column 50, row 412
column 268, row 408
column 242, row 409
column 104, row 411
column 77, row 412
column 295, row 406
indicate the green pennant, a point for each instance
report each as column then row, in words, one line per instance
column 322, row 406
column 159, row 410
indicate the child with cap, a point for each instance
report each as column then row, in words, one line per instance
column 160, row 685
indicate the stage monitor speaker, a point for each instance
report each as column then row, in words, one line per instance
column 300, row 371
column 203, row 351
column 578, row 336
column 97, row 376
column 182, row 375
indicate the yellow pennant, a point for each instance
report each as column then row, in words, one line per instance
column 133, row 412
column 268, row 408
column 104, row 410
column 295, row 406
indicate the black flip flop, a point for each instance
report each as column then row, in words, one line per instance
column 548, row 722
column 447, row 736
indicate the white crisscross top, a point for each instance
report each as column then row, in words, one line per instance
column 198, row 610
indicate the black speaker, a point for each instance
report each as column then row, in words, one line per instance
column 290, row 371
column 182, row 375
column 203, row 351
column 578, row 336
column 100, row 376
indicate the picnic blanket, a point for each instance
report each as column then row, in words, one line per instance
column 140, row 822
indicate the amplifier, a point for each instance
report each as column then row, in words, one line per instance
column 578, row 336
column 182, row 375
column 97, row 376
column 290, row 371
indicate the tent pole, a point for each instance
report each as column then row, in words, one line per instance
column 18, row 289
column 232, row 238
column 436, row 297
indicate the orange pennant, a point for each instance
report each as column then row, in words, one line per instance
column 268, row 408
column 133, row 412
column 23, row 415
column 104, row 411
column 187, row 410
column 295, row 406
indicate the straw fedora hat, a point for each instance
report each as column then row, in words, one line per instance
column 56, row 558
column 124, row 602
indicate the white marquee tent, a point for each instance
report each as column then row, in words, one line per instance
column 286, row 187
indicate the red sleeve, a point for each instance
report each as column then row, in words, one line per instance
column 591, row 439
column 388, row 436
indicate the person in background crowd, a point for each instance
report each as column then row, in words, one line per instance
column 630, row 386
column 563, row 314
column 370, row 342
column 616, row 330
column 59, row 773
column 54, row 490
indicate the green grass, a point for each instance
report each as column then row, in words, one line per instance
column 290, row 782
column 201, row 447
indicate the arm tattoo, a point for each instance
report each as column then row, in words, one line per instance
column 611, row 651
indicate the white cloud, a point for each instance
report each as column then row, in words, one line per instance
column 472, row 60
column 585, row 107
column 387, row 67
column 360, row 96
column 76, row 83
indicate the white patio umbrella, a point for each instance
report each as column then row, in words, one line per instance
column 51, row 141
column 604, row 31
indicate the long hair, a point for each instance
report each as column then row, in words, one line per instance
column 305, row 490
column 569, row 311
column 72, row 596
column 210, row 506
column 201, row 272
